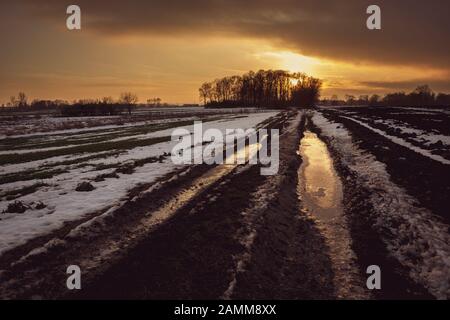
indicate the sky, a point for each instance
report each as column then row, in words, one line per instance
column 167, row 48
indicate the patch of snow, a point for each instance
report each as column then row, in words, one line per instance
column 64, row 204
column 413, row 235
column 403, row 143
column 423, row 137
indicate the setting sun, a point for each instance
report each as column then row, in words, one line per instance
column 292, row 62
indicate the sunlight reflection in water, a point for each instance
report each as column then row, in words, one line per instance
column 321, row 196
column 321, row 183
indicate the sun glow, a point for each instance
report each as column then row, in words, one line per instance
column 293, row 62
column 293, row 81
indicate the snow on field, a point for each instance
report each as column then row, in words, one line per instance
column 23, row 151
column 34, row 124
column 401, row 110
column 47, row 163
column 96, row 130
column 403, row 143
column 421, row 136
column 11, row 168
column 413, row 235
column 423, row 110
column 64, row 204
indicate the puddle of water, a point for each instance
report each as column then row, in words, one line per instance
column 322, row 187
column 321, row 195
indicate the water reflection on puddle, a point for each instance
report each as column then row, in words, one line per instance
column 321, row 195
column 320, row 185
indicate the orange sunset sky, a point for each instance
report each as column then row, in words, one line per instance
column 168, row 48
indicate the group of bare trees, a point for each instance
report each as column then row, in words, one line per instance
column 20, row 101
column 83, row 107
column 101, row 107
column 128, row 99
column 265, row 88
column 422, row 96
column 154, row 102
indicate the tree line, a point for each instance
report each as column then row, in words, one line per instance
column 103, row 107
column 422, row 96
column 262, row 89
column 82, row 107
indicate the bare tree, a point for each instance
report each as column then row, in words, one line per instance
column 205, row 92
column 364, row 99
column 350, row 99
column 22, row 99
column 107, row 100
column 154, row 102
column 13, row 101
column 129, row 100
column 374, row 100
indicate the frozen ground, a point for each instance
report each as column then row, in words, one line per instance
column 413, row 235
column 424, row 130
column 154, row 230
column 19, row 124
column 50, row 200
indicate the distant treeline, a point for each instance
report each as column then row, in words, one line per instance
column 84, row 107
column 422, row 96
column 262, row 89
column 92, row 109
column 106, row 106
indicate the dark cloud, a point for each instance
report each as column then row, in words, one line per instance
column 413, row 32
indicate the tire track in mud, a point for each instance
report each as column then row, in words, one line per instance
column 247, row 238
column 106, row 239
column 425, row 179
column 93, row 244
column 288, row 258
column 187, row 257
column 235, row 234
column 296, row 255
column 368, row 243
column 321, row 195
column 196, row 254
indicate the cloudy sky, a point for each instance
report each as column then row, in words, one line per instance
column 167, row 48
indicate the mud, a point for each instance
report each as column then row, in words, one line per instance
column 321, row 195
column 366, row 241
column 227, row 232
column 425, row 179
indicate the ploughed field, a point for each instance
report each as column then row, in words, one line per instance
column 355, row 187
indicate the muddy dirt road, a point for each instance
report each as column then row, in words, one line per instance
column 228, row 232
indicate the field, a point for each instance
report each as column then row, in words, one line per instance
column 356, row 186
